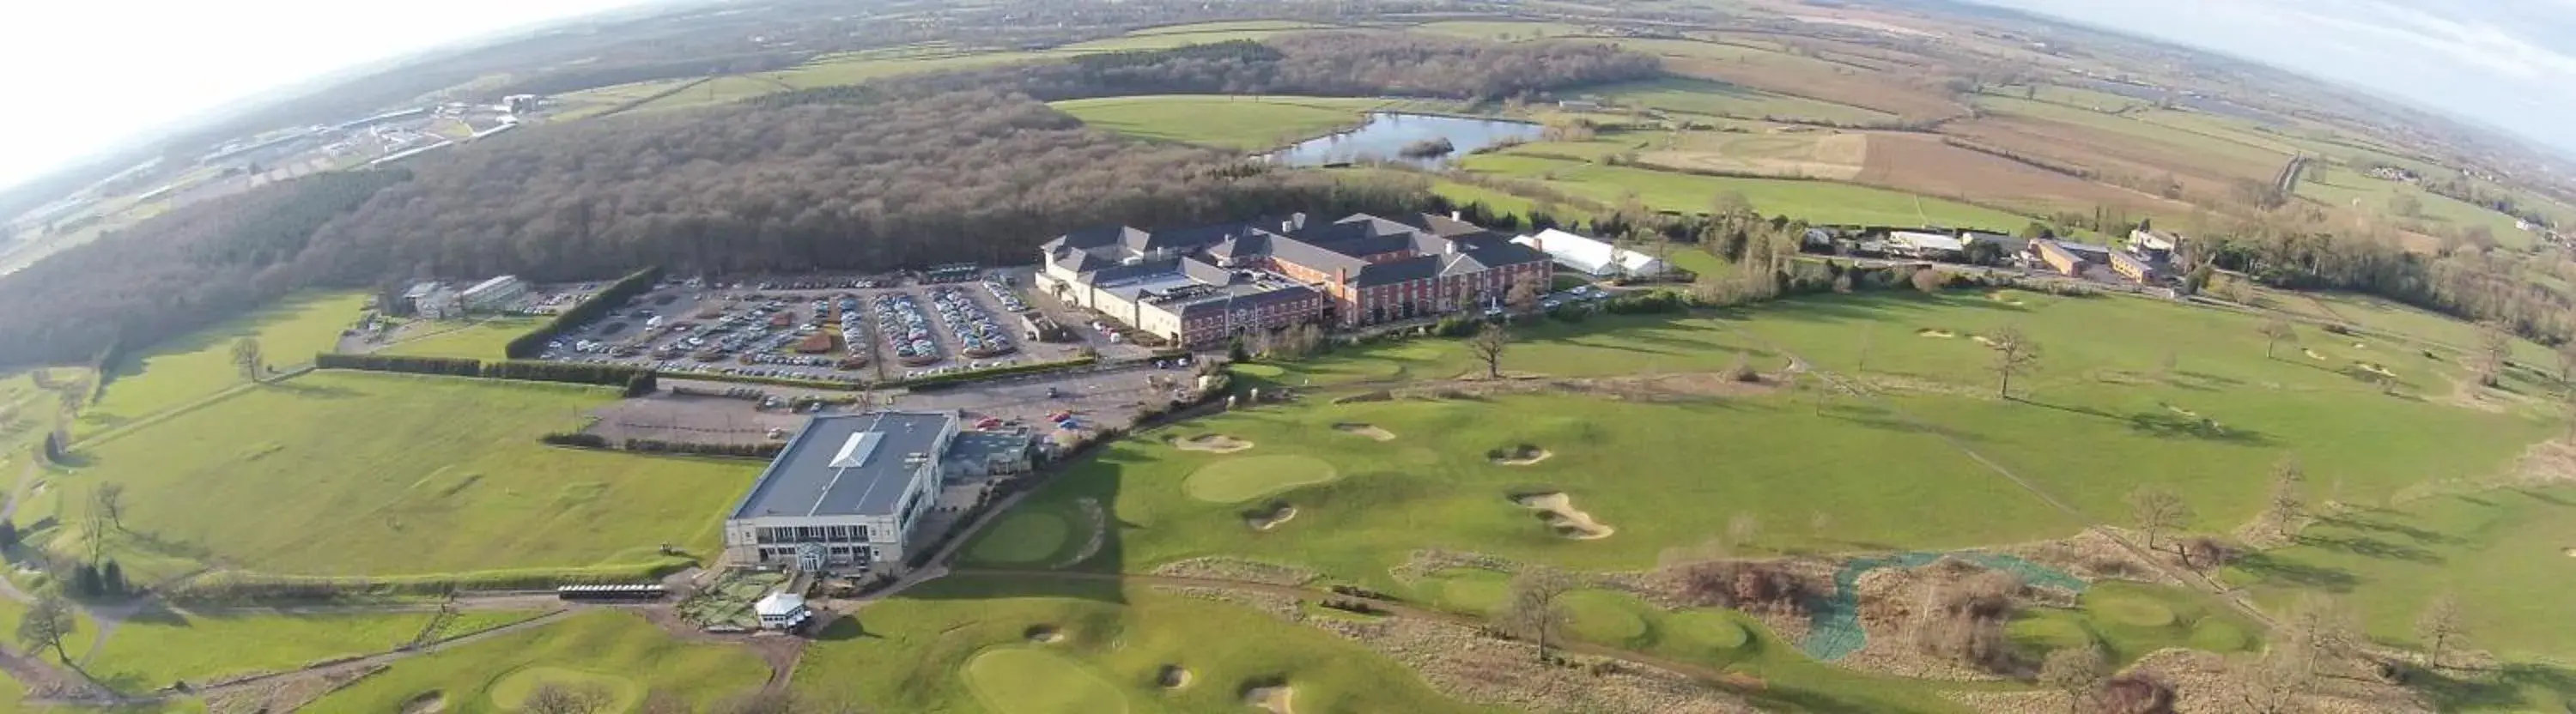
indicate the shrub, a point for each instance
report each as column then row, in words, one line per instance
column 1741, row 371
column 1745, row 586
column 1964, row 620
column 576, row 439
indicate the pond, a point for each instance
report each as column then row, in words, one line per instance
column 1387, row 133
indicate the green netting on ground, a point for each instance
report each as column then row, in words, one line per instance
column 1833, row 622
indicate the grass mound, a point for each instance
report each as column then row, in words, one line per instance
column 512, row 691
column 2134, row 611
column 1243, row 479
column 1604, row 616
column 1705, row 630
column 1022, row 680
column 1025, row 536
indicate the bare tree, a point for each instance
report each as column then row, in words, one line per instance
column 2014, row 354
column 2075, row 671
column 110, row 498
column 560, row 698
column 2495, row 345
column 2272, row 682
column 1523, row 295
column 2286, row 501
column 247, row 358
column 2275, row 332
column 2156, row 510
column 1533, row 610
column 2567, row 363
column 47, row 624
column 1488, row 346
column 2320, row 630
column 2438, row 627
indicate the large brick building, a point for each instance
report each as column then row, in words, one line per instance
column 1200, row 286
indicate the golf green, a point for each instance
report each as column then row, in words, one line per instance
column 1025, row 536
column 1606, row 617
column 1705, row 629
column 1243, row 478
column 1469, row 589
column 511, row 691
column 1028, row 680
column 2216, row 635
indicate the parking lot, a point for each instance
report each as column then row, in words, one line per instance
column 723, row 412
column 852, row 329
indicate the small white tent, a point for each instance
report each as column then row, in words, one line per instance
column 779, row 610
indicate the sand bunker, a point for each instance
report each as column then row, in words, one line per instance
column 1266, row 520
column 1367, row 430
column 429, row 702
column 1943, row 334
column 1561, row 515
column 1983, row 340
column 2571, row 552
column 2312, row 354
column 2374, row 369
column 1045, row 634
column 2182, row 411
column 1212, row 443
column 2360, row 346
column 1523, row 456
column 1173, row 676
column 2003, row 298
column 1274, row 699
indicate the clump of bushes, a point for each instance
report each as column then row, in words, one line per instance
column 1964, row 620
column 1748, row 586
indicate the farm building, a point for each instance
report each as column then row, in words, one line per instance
column 493, row 294
column 433, row 300
column 1592, row 256
column 2070, row 258
column 845, row 492
column 2137, row 269
column 1927, row 246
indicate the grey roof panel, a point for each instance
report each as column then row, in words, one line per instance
column 835, row 467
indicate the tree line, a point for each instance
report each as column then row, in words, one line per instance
column 637, row 381
column 1332, row 63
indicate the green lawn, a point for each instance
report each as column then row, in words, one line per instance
column 2131, row 620
column 1234, row 122
column 828, row 72
column 717, row 91
column 2348, row 189
column 2502, row 554
column 407, row 474
column 482, row 339
column 2384, row 315
column 1697, row 96
column 190, row 368
column 155, row 649
column 961, row 643
column 1816, row 201
column 616, row 648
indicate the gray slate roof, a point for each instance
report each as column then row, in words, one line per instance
column 834, row 467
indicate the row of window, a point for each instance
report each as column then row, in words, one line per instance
column 810, row 534
column 838, row 553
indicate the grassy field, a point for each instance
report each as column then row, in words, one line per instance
column 2497, row 552
column 156, row 649
column 1697, row 96
column 191, row 368
column 718, row 90
column 1816, row 201
column 2235, row 158
column 1500, row 30
column 2352, row 190
column 1247, row 123
column 963, row 644
column 617, row 649
column 407, row 474
column 1170, row 36
column 482, row 339
column 2383, row 315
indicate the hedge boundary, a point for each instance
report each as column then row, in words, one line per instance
column 533, row 343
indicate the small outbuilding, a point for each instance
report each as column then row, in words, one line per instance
column 781, row 611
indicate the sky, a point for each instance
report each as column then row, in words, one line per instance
column 98, row 74
column 88, row 76
column 2507, row 63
